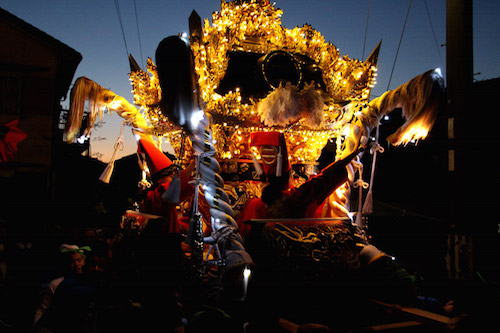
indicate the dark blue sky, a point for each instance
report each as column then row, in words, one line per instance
column 92, row 28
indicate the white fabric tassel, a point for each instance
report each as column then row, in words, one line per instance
column 279, row 163
column 368, row 206
column 106, row 174
column 83, row 90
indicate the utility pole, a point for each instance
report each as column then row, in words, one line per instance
column 459, row 69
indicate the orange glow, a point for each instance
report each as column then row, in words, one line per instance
column 413, row 133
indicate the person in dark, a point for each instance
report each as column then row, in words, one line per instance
column 167, row 191
column 65, row 302
column 157, row 250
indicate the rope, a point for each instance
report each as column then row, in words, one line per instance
column 433, row 33
column 138, row 34
column 106, row 174
column 361, row 184
column 119, row 142
column 117, row 6
column 366, row 28
column 399, row 45
column 376, row 148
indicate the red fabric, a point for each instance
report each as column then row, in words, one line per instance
column 153, row 204
column 255, row 209
column 273, row 139
column 266, row 138
column 300, row 202
column 187, row 189
column 8, row 143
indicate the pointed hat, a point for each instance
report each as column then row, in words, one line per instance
column 155, row 158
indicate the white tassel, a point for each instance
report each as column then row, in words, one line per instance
column 419, row 99
column 83, row 90
column 368, row 206
column 279, row 163
column 359, row 220
column 106, row 174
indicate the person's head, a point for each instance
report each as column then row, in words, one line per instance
column 97, row 260
column 91, row 235
column 74, row 257
column 76, row 262
column 165, row 176
column 97, row 263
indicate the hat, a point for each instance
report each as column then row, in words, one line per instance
column 273, row 152
column 155, row 158
column 74, row 249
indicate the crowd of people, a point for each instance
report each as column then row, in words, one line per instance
column 95, row 282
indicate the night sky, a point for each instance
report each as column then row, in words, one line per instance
column 92, row 28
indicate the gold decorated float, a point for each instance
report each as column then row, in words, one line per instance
column 255, row 28
column 252, row 75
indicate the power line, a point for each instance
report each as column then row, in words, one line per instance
column 400, row 40
column 366, row 29
column 117, row 6
column 433, row 33
column 138, row 34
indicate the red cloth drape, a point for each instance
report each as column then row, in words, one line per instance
column 9, row 140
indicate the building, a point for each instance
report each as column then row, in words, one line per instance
column 36, row 71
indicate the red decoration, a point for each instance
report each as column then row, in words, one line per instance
column 10, row 136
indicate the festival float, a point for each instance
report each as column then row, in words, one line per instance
column 208, row 94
